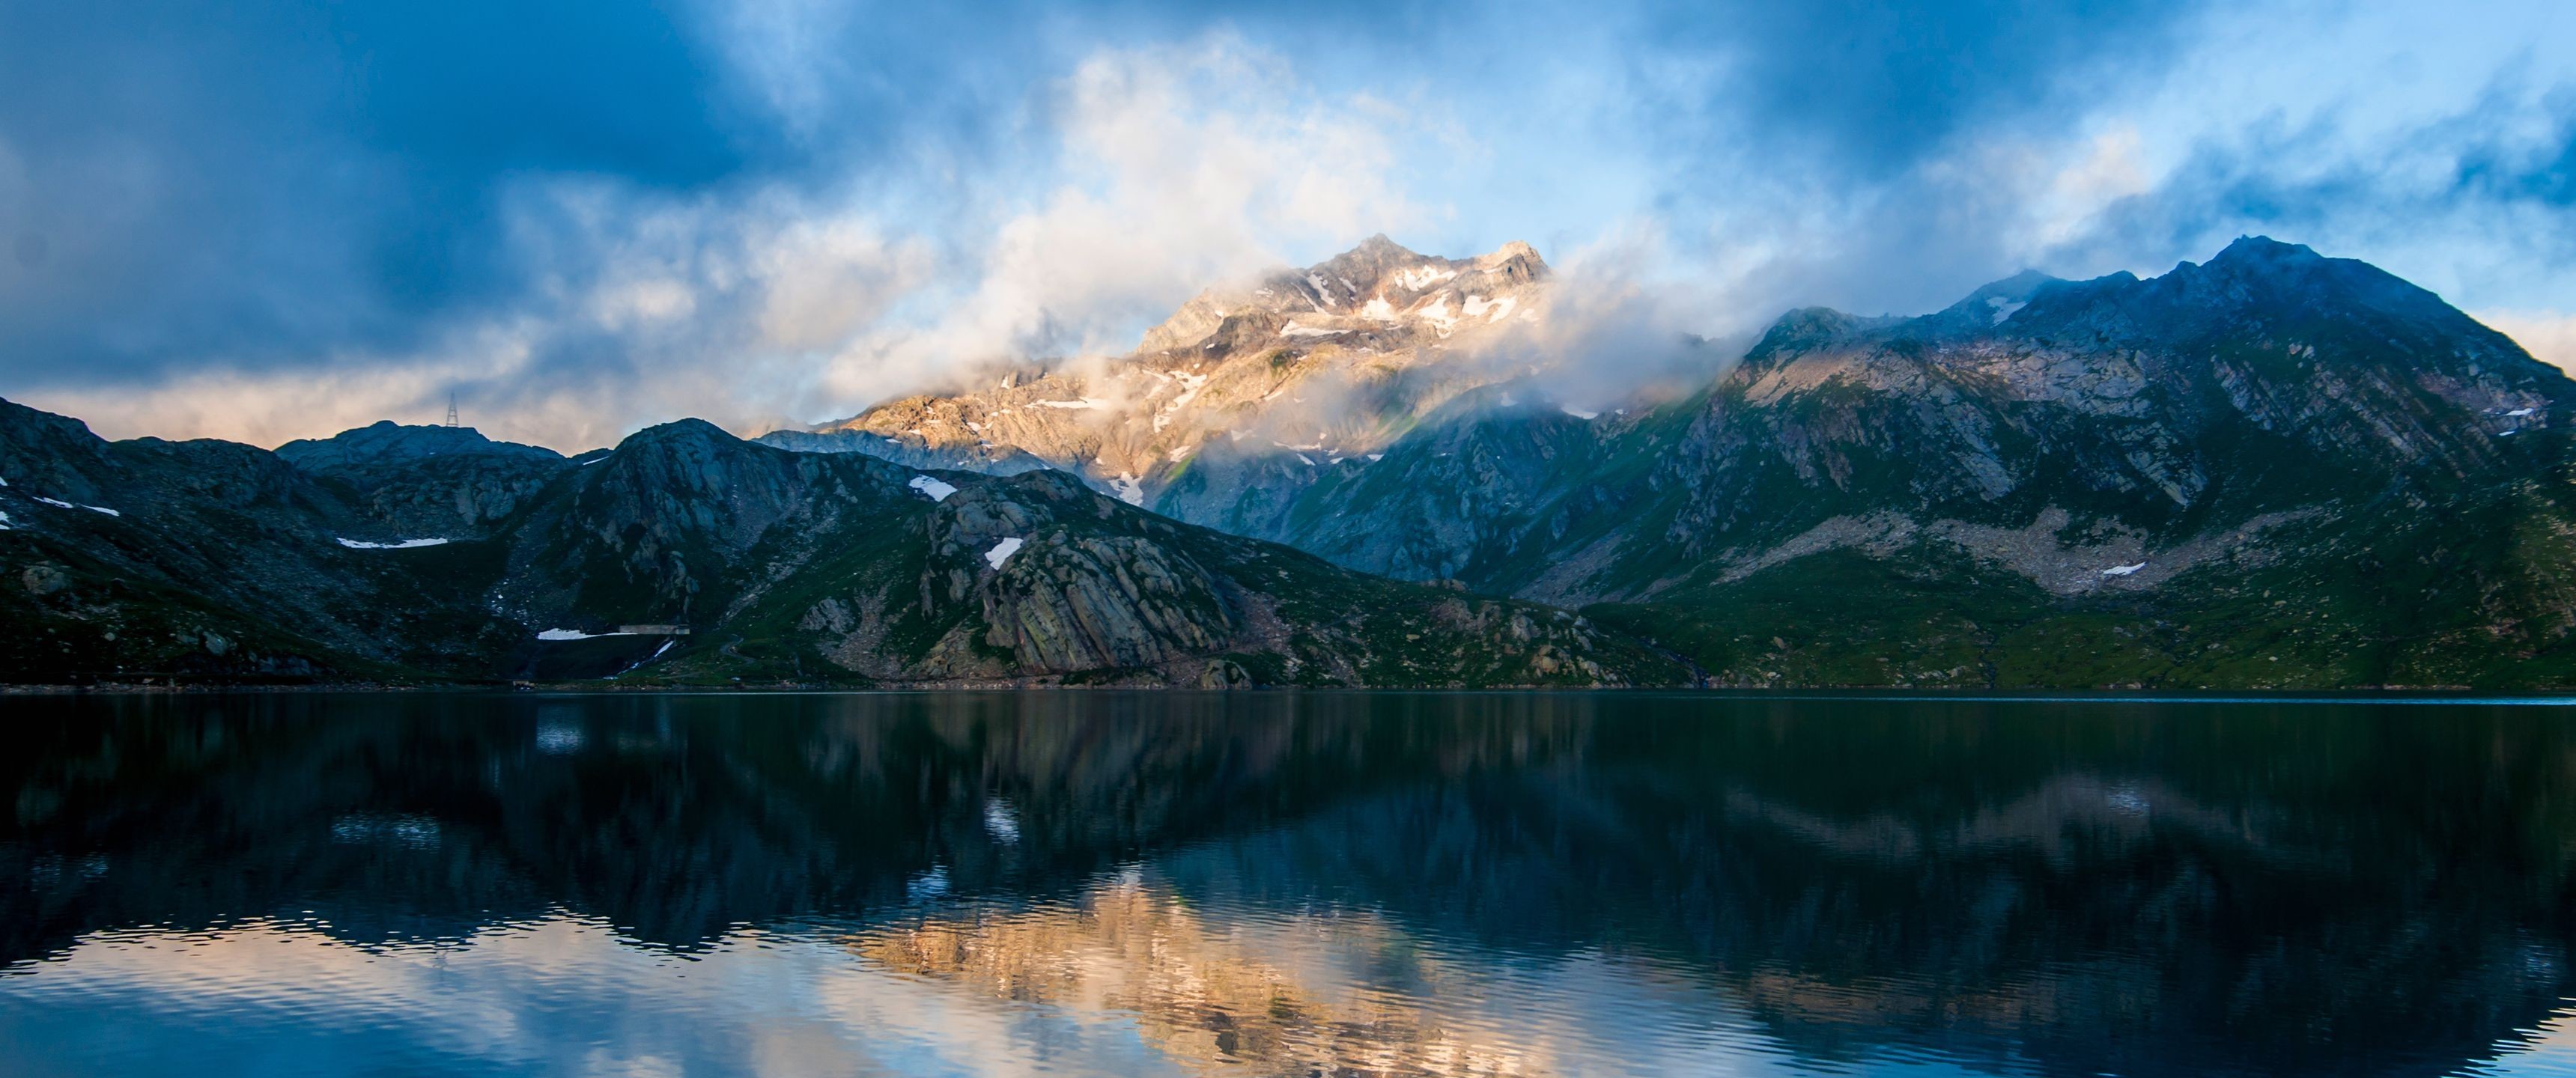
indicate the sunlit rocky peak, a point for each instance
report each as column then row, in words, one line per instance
column 1327, row 362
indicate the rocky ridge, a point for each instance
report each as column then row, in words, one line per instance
column 2050, row 480
column 689, row 556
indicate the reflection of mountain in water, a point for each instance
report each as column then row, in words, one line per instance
column 2138, row 889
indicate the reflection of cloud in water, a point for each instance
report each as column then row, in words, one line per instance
column 1000, row 821
column 558, row 738
column 410, row 831
column 1128, row 979
column 2549, row 1049
column 564, row 995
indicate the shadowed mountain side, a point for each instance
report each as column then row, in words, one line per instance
column 688, row 555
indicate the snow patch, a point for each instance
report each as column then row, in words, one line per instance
column 1578, row 413
column 575, row 634
column 2003, row 308
column 1190, row 386
column 2123, row 570
column 1131, row 489
column 1002, row 551
column 1438, row 314
column 398, row 544
column 1379, row 309
column 1501, row 308
column 1077, row 403
column 1295, row 330
column 1376, row 457
column 936, row 490
column 1421, row 277
column 2514, row 414
column 61, row 504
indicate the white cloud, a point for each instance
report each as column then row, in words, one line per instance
column 1180, row 166
column 1157, row 172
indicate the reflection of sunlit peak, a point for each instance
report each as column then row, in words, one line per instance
column 1281, row 996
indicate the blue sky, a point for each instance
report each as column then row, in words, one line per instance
column 271, row 221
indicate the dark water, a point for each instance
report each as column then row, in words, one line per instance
column 1282, row 884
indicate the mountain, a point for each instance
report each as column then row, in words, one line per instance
column 431, row 480
column 686, row 555
column 1267, row 384
column 2272, row 469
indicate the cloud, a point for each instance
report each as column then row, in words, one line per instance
column 1165, row 169
column 1180, row 167
column 587, row 217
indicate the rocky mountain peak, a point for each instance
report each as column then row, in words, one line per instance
column 387, row 441
column 1303, row 368
column 678, row 431
column 2266, row 251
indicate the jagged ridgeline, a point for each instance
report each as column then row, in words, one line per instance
column 686, row 555
column 2274, row 470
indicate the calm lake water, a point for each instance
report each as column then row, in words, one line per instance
column 1289, row 884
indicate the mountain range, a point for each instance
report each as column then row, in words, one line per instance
column 2270, row 470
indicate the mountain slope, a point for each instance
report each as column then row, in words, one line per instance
column 2050, row 483
column 687, row 554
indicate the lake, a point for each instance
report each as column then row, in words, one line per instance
column 1283, row 884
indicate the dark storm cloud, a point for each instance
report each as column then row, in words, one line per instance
column 2502, row 171
column 264, row 182
column 1873, row 87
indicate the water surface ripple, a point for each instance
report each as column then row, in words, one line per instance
column 1283, row 884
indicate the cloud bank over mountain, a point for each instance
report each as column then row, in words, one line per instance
column 282, row 222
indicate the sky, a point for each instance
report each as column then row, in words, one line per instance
column 269, row 221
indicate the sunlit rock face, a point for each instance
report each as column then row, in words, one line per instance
column 1293, row 373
